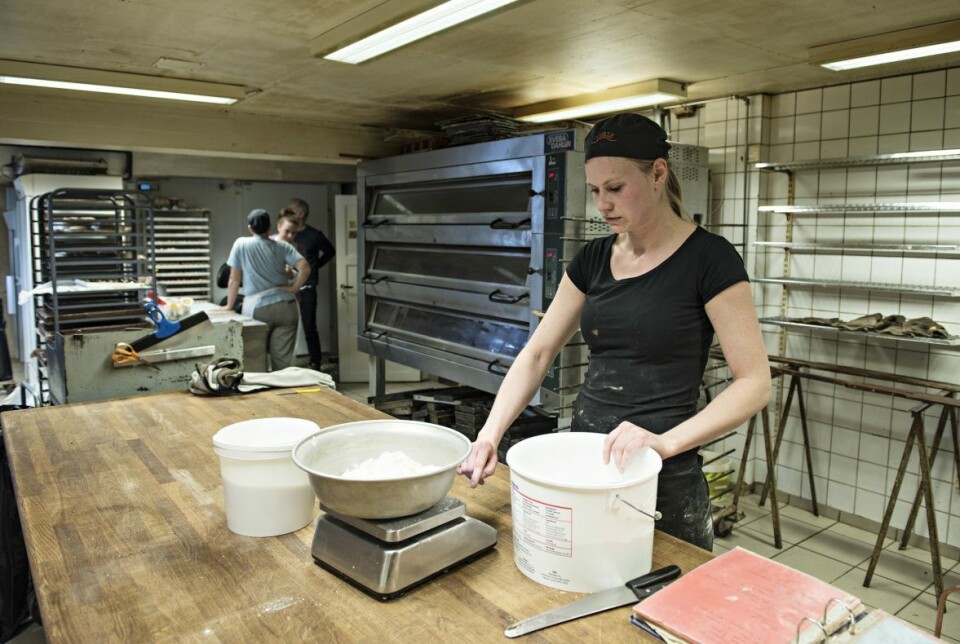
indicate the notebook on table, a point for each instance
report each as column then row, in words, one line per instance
column 743, row 597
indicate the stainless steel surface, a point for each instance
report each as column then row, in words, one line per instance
column 928, row 206
column 166, row 355
column 871, row 160
column 854, row 248
column 326, row 455
column 394, row 530
column 589, row 605
column 457, row 247
column 630, row 593
column 386, row 569
column 913, row 289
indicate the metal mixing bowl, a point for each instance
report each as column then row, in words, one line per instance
column 326, row 455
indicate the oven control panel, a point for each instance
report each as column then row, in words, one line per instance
column 553, row 220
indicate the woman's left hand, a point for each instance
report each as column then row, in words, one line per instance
column 626, row 440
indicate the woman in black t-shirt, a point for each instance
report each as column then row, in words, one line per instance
column 647, row 300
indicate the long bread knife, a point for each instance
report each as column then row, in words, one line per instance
column 630, row 593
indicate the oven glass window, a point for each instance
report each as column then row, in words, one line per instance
column 493, row 266
column 511, row 195
column 494, row 336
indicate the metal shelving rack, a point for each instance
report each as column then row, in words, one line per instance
column 873, row 249
column 896, row 158
column 927, row 206
column 93, row 248
column 182, row 249
column 790, row 210
column 906, row 289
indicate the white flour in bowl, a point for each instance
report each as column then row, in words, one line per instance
column 389, row 465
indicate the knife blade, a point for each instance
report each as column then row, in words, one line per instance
column 630, row 593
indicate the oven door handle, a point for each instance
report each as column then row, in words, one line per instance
column 500, row 224
column 374, row 224
column 366, row 279
column 367, row 333
column 498, row 368
column 506, row 298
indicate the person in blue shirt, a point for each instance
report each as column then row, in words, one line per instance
column 257, row 263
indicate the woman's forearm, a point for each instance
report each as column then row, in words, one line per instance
column 518, row 387
column 734, row 406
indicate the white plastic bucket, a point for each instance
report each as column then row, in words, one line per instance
column 573, row 527
column 264, row 493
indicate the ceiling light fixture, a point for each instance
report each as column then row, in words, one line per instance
column 893, row 47
column 108, row 89
column 428, row 22
column 104, row 82
column 625, row 97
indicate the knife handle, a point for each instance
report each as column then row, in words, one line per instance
column 660, row 576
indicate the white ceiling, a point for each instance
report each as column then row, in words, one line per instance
column 539, row 50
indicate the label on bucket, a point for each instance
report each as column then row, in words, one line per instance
column 544, row 526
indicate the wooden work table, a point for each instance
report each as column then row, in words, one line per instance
column 122, row 510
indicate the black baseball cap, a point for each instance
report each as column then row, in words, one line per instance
column 259, row 220
column 627, row 135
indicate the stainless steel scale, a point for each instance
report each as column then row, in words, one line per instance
column 388, row 557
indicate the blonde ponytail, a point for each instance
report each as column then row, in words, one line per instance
column 673, row 192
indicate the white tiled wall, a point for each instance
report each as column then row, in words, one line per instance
column 857, row 438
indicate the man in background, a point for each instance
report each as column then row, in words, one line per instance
column 318, row 251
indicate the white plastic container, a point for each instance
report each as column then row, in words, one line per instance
column 265, row 494
column 573, row 527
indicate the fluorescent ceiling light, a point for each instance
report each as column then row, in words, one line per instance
column 419, row 26
column 107, row 89
column 893, row 47
column 894, row 56
column 106, row 82
column 626, row 97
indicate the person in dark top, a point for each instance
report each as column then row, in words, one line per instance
column 318, row 251
column 648, row 300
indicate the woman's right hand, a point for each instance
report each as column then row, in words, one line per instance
column 480, row 463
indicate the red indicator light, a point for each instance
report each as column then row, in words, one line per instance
column 551, row 175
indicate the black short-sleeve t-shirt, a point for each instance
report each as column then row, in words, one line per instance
column 316, row 249
column 648, row 335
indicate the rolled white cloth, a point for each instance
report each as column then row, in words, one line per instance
column 225, row 377
column 289, row 377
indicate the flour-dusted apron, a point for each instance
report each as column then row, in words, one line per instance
column 251, row 302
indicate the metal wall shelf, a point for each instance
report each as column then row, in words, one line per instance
column 784, row 322
column 865, row 247
column 927, row 156
column 854, row 248
column 905, row 289
column 812, row 209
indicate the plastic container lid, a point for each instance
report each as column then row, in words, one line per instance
column 262, row 438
